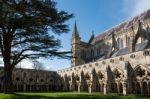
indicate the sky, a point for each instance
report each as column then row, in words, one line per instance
column 91, row 15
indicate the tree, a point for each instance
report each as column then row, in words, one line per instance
column 27, row 30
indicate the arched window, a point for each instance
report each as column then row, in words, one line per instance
column 128, row 41
column 148, row 33
column 83, row 54
column 121, row 44
column 98, row 51
column 92, row 53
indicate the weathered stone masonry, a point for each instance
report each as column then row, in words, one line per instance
column 118, row 60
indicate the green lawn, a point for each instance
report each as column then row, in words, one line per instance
column 65, row 95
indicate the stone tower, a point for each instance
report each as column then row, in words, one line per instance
column 75, row 47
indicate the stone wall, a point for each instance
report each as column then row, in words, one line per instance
column 129, row 73
column 33, row 80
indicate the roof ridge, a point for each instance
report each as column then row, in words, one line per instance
column 126, row 23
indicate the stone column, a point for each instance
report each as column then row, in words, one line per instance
column 141, row 87
column 29, row 87
column 0, row 87
column 118, row 87
column 37, row 88
column 124, row 88
column 47, row 86
column 148, row 88
column 101, row 85
column 17, row 87
column 105, row 88
column 24, row 87
column 89, row 83
column 79, row 86
column 90, row 89
column 70, row 85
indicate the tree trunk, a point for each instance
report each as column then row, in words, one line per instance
column 8, row 68
column 8, row 85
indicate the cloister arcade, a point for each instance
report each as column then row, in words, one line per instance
column 122, row 74
column 114, row 80
column 25, row 80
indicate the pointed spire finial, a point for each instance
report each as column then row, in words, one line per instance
column 75, row 30
column 92, row 32
column 93, row 35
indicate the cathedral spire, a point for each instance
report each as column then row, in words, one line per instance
column 92, row 37
column 93, row 33
column 75, row 31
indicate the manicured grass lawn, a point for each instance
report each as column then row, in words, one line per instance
column 66, row 95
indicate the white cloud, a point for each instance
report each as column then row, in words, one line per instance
column 25, row 64
column 140, row 6
column 135, row 7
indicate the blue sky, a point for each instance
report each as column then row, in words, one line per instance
column 92, row 15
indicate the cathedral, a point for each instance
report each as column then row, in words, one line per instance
column 116, row 61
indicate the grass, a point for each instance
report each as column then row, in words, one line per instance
column 68, row 95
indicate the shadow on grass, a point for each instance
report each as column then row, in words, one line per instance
column 74, row 96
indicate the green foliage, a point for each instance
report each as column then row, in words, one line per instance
column 28, row 28
column 68, row 96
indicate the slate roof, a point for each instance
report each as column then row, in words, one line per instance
column 145, row 15
column 138, row 47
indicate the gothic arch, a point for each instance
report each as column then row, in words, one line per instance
column 66, row 83
column 119, row 43
column 132, row 73
column 143, row 66
column 118, row 74
column 141, row 71
column 116, row 82
column 100, row 75
column 146, row 78
column 109, row 73
column 140, row 79
column 94, row 80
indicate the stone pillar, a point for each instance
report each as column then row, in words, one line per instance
column 24, row 87
column 118, row 88
column 105, row 88
column 90, row 89
column 37, row 88
column 89, row 83
column 148, row 88
column 29, row 87
column 101, row 85
column 17, row 87
column 124, row 88
column 70, row 85
column 47, row 87
column 141, row 87
column 0, row 87
column 79, row 86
